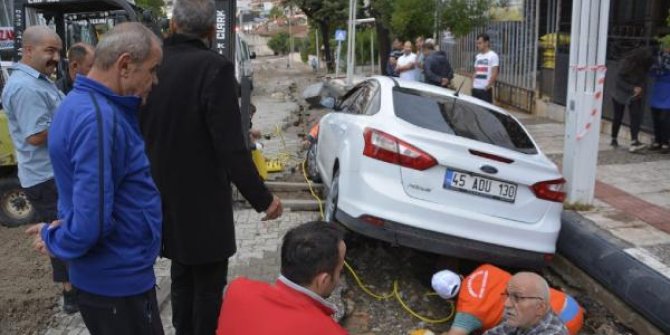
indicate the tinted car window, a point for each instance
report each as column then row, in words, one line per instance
column 349, row 99
column 456, row 117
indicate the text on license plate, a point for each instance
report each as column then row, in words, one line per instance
column 478, row 185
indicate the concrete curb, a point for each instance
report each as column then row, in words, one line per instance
column 644, row 289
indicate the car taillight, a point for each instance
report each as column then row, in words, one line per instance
column 384, row 147
column 551, row 190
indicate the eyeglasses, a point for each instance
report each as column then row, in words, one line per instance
column 515, row 298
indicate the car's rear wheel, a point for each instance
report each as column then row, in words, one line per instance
column 15, row 208
column 331, row 199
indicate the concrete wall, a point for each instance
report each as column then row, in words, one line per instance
column 258, row 44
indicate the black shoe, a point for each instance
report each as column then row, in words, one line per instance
column 614, row 143
column 655, row 146
column 70, row 305
column 636, row 146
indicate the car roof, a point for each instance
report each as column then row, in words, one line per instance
column 390, row 82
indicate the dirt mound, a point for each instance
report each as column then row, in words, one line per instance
column 28, row 296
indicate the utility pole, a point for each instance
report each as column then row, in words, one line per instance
column 290, row 39
column 318, row 60
column 588, row 47
column 351, row 46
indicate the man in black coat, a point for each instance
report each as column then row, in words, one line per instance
column 195, row 143
column 436, row 67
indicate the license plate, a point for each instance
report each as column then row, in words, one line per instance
column 479, row 185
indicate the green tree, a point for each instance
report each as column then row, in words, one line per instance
column 156, row 6
column 462, row 16
column 279, row 43
column 325, row 14
column 276, row 13
column 411, row 18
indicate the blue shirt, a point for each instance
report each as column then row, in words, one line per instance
column 30, row 99
column 660, row 92
column 108, row 204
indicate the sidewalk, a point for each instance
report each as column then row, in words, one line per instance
column 632, row 193
column 624, row 240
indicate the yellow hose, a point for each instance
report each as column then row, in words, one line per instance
column 395, row 293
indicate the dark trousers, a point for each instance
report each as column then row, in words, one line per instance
column 486, row 95
column 44, row 199
column 661, row 118
column 635, row 113
column 133, row 315
column 196, row 295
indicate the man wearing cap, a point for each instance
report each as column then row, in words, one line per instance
column 481, row 302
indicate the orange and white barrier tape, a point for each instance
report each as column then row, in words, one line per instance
column 595, row 112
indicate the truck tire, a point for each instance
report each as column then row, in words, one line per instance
column 15, row 208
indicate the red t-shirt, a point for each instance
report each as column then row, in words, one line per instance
column 253, row 307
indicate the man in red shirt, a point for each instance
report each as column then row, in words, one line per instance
column 312, row 258
column 481, row 302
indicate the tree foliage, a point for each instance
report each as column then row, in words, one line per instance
column 324, row 14
column 156, row 6
column 280, row 43
column 276, row 13
column 411, row 18
column 462, row 16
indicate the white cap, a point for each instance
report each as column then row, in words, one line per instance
column 446, row 284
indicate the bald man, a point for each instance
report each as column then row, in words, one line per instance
column 30, row 99
column 527, row 308
column 79, row 61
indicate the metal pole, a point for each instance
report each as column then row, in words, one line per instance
column 290, row 38
column 588, row 46
column 351, row 61
column 318, row 60
column 337, row 58
column 372, row 51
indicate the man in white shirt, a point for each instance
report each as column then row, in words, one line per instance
column 406, row 67
column 486, row 70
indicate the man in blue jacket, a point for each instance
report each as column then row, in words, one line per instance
column 109, row 227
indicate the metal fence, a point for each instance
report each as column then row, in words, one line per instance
column 516, row 43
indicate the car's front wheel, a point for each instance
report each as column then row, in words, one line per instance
column 331, row 199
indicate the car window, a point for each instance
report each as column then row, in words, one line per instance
column 374, row 100
column 349, row 99
column 457, row 117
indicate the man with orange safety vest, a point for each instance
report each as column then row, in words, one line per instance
column 480, row 304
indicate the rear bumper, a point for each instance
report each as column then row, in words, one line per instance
column 443, row 244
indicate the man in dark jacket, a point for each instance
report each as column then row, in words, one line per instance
column 628, row 91
column 79, row 62
column 193, row 130
column 109, row 207
column 436, row 67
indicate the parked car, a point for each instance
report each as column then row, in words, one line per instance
column 423, row 167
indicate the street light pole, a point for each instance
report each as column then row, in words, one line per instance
column 588, row 47
column 351, row 61
column 290, row 39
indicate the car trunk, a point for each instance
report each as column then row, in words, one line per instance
column 487, row 163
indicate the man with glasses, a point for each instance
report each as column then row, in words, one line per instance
column 483, row 301
column 527, row 308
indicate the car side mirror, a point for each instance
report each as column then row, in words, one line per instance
column 252, row 55
column 328, row 102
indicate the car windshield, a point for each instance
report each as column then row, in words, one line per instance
column 457, row 117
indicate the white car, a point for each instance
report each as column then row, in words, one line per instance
column 420, row 166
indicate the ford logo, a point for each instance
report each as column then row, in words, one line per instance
column 489, row 169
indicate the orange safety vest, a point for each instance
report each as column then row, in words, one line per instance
column 481, row 296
